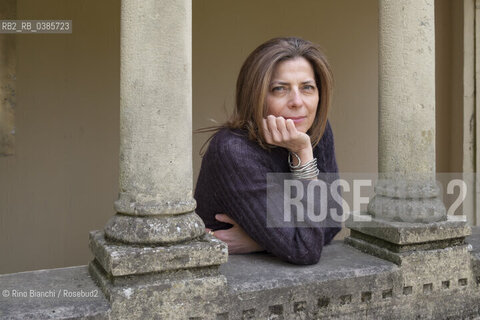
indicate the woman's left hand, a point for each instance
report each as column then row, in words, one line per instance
column 237, row 239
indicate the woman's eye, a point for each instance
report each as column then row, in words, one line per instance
column 309, row 87
column 278, row 89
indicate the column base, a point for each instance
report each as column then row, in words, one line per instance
column 175, row 294
column 159, row 282
column 119, row 259
column 398, row 257
column 432, row 256
column 408, row 233
column 423, row 210
column 399, row 241
column 154, row 230
column 426, row 270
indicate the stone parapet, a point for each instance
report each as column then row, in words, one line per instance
column 68, row 293
column 345, row 284
column 348, row 284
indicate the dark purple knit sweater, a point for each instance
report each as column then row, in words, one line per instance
column 232, row 181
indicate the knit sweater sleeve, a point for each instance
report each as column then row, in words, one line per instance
column 240, row 187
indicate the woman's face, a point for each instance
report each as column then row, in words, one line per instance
column 293, row 93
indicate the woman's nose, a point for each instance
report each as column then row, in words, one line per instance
column 295, row 99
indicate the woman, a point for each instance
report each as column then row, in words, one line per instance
column 279, row 125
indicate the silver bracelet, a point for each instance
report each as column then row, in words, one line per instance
column 311, row 174
column 290, row 160
column 308, row 170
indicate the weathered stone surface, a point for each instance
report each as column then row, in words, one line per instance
column 58, row 302
column 439, row 244
column 156, row 203
column 259, row 271
column 374, row 250
column 404, row 233
column 155, row 230
column 263, row 287
column 345, row 284
column 155, row 114
column 435, row 266
column 144, row 206
column 406, row 140
column 121, row 259
column 394, row 185
column 406, row 190
column 164, row 295
column 399, row 258
column 425, row 210
column 474, row 241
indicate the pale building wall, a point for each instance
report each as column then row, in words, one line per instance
column 63, row 178
column 8, row 69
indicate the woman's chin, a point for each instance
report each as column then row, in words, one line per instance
column 301, row 128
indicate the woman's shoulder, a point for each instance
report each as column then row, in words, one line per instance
column 229, row 142
column 328, row 132
column 230, row 152
column 227, row 135
column 325, row 151
column 327, row 137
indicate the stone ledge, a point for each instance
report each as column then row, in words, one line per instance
column 259, row 271
column 57, row 305
column 405, row 233
column 346, row 283
column 124, row 259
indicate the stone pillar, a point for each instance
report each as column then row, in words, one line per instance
column 408, row 223
column 406, row 189
column 155, row 202
column 154, row 259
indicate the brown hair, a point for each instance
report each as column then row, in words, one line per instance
column 254, row 80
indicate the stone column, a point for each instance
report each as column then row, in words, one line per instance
column 406, row 190
column 155, row 202
column 154, row 259
column 408, row 222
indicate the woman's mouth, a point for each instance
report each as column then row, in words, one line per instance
column 296, row 119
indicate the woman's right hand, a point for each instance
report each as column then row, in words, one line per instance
column 236, row 238
column 283, row 133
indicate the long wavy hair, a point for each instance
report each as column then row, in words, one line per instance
column 254, row 80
